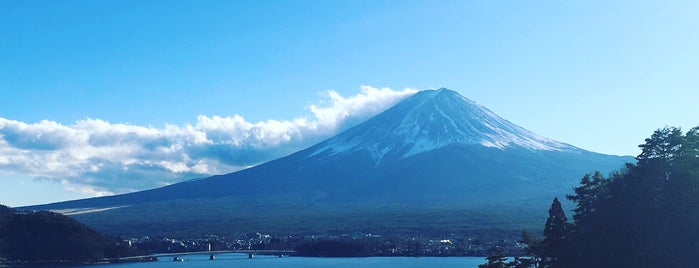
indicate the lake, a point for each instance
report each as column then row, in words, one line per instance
column 241, row 260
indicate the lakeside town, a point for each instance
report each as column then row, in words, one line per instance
column 363, row 244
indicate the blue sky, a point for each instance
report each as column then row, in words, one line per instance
column 144, row 80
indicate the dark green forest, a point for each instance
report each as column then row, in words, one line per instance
column 51, row 237
column 645, row 215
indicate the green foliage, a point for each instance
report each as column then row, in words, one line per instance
column 496, row 259
column 520, row 262
column 556, row 232
column 646, row 215
column 592, row 190
column 47, row 236
column 533, row 247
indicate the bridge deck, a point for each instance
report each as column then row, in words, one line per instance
column 245, row 251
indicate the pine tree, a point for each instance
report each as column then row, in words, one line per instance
column 643, row 216
column 532, row 249
column 496, row 259
column 556, row 232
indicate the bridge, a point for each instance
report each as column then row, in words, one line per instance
column 212, row 254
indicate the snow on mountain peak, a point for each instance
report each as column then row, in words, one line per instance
column 430, row 120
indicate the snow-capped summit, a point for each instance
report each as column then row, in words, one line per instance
column 430, row 120
column 434, row 153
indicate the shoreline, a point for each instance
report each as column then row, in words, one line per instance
column 18, row 263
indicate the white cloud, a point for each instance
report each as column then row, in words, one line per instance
column 96, row 157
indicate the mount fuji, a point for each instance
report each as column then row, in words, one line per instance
column 434, row 159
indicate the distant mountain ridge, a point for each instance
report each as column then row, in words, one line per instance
column 435, row 149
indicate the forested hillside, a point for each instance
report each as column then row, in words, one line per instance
column 646, row 215
column 50, row 237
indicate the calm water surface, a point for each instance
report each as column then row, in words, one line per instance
column 241, row 260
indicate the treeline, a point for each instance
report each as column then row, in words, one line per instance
column 645, row 215
column 51, row 237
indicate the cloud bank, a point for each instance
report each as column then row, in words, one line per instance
column 97, row 158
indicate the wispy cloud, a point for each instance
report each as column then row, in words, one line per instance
column 96, row 157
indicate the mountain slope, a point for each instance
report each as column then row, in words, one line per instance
column 435, row 150
column 431, row 120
